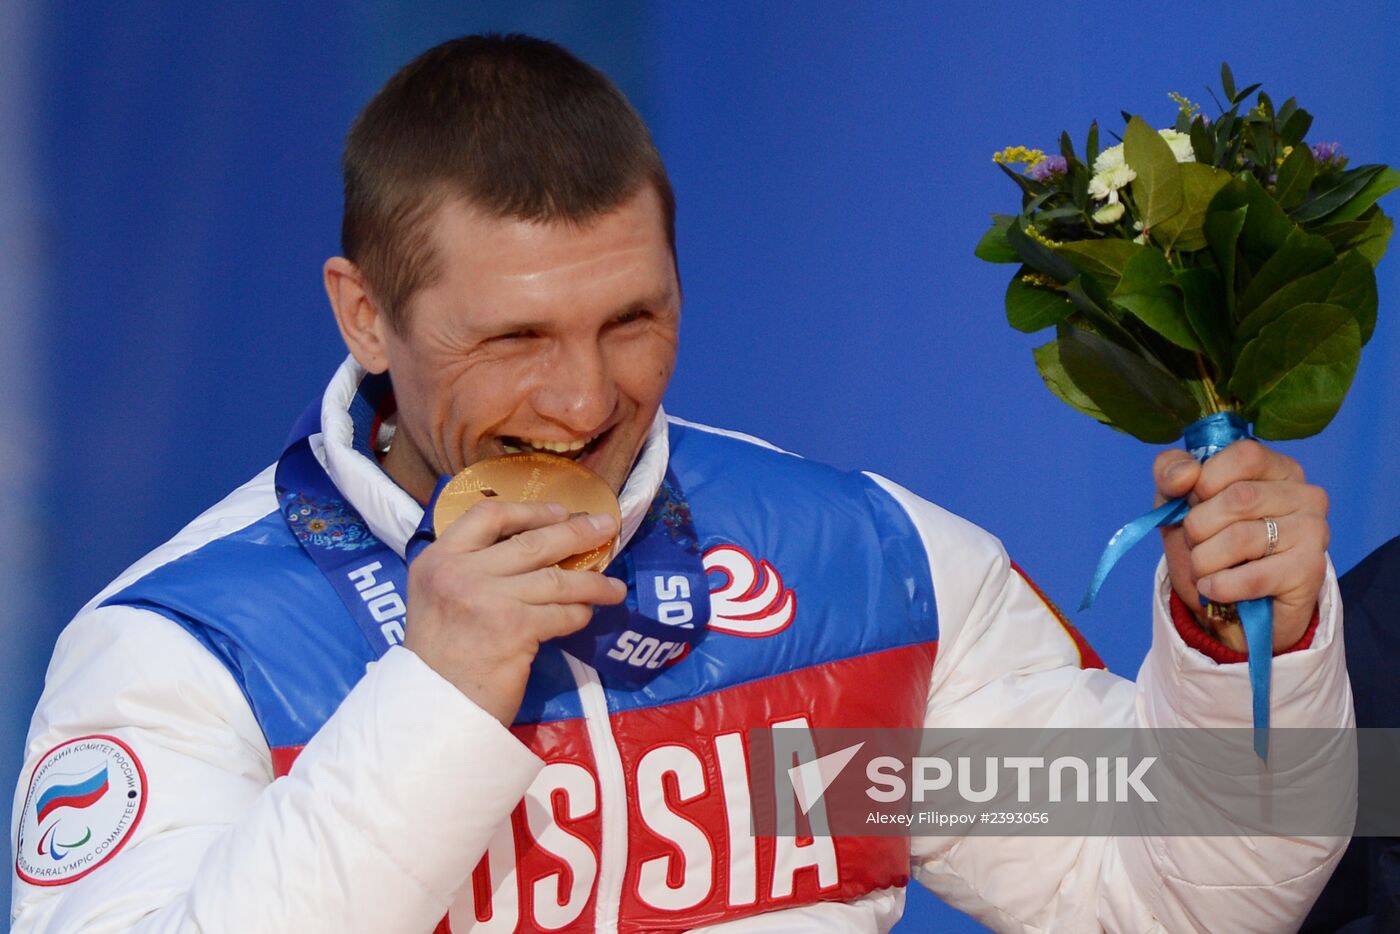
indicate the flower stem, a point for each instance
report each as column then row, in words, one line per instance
column 1213, row 400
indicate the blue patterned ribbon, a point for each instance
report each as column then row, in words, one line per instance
column 1204, row 439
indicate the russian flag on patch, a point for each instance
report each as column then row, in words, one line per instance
column 80, row 794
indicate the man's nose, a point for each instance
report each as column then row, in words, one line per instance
column 578, row 391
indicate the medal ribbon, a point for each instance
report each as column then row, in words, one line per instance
column 1204, row 439
column 633, row 643
column 363, row 571
column 665, row 614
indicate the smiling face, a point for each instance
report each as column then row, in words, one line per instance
column 535, row 336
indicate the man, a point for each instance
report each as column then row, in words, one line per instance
column 1363, row 895
column 510, row 266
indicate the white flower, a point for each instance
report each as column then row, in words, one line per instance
column 1180, row 144
column 1110, row 158
column 1105, row 184
column 1109, row 213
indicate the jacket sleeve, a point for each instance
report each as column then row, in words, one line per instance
column 366, row 833
column 1006, row 658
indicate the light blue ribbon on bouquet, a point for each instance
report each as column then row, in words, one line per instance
column 1204, row 439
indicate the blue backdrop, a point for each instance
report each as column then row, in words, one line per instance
column 172, row 189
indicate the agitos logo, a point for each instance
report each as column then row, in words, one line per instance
column 84, row 799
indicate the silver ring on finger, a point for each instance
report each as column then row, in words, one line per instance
column 1271, row 530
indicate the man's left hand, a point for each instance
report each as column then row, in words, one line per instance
column 1220, row 550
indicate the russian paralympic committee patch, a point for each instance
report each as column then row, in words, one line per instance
column 85, row 798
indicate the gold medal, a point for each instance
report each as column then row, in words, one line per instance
column 532, row 478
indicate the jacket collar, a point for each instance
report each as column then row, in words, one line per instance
column 393, row 515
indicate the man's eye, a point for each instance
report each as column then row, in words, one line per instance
column 515, row 335
column 638, row 314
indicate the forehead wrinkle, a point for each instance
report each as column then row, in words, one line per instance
column 537, row 275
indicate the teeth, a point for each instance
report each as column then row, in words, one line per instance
column 553, row 447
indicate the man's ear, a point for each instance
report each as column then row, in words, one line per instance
column 362, row 325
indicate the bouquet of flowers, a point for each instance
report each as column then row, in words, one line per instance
column 1200, row 278
column 1221, row 265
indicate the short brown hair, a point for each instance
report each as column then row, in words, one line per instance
column 518, row 126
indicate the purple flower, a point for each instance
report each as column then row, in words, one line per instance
column 1329, row 154
column 1048, row 168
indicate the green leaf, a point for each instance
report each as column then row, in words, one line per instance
column 1381, row 184
column 1035, row 254
column 1349, row 282
column 1066, row 146
column 1091, row 146
column 1300, row 254
column 1352, row 183
column 1295, row 177
column 993, row 247
column 1134, row 395
column 1374, row 248
column 1052, row 371
column 1202, row 144
column 1295, row 126
column 1227, row 81
column 1030, row 188
column 1225, row 218
column 1359, row 234
column 1266, row 226
column 1246, row 92
column 1185, row 230
column 1148, row 290
column 1030, row 308
column 1203, row 297
column 1043, row 219
column 1357, row 290
column 1105, row 258
column 1079, row 185
column 1157, row 188
column 1261, row 139
column 1224, row 129
column 1293, row 376
column 1098, row 312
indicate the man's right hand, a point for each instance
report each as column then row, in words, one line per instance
column 484, row 596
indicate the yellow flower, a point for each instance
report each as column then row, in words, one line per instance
column 1013, row 155
column 1186, row 106
column 1039, row 237
column 1036, row 278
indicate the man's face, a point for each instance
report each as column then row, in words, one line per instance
column 536, row 336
